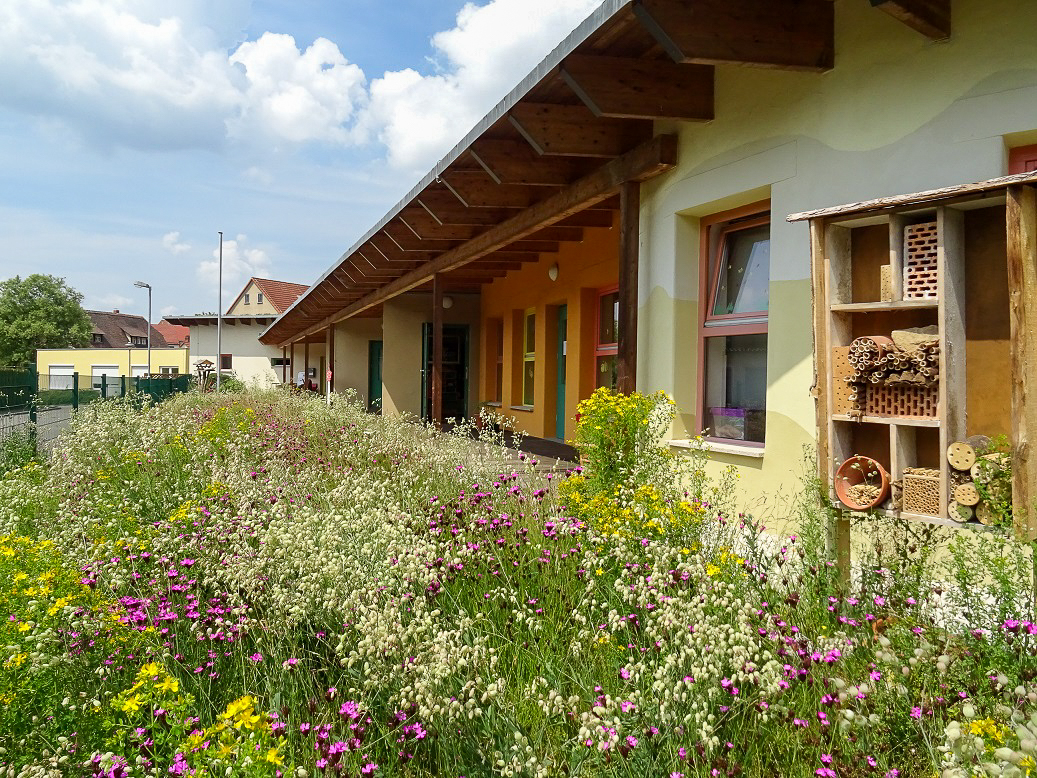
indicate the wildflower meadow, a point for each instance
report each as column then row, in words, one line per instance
column 260, row 584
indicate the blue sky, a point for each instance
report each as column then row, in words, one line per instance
column 132, row 131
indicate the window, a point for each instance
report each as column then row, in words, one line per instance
column 1022, row 160
column 528, row 356
column 259, row 298
column 169, row 370
column 246, row 298
column 137, row 341
column 606, row 343
column 733, row 335
column 225, row 361
column 97, row 338
column 495, row 329
column 279, row 361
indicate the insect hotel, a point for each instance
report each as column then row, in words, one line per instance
column 925, row 308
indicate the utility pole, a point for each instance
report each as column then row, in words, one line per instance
column 219, row 321
column 142, row 285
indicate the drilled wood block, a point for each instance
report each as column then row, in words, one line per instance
column 921, row 494
column 842, row 392
column 901, row 400
column 920, row 261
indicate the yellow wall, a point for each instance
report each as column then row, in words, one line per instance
column 253, row 308
column 583, row 269
column 352, row 338
column 82, row 360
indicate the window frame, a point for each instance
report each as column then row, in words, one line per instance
column 604, row 349
column 722, row 225
column 528, row 356
column 246, row 299
column 1020, row 157
column 230, row 361
column 259, row 298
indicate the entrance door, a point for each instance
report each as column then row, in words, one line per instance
column 374, row 376
column 563, row 321
column 455, row 371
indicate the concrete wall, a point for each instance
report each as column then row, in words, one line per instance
column 897, row 114
column 351, row 354
column 402, row 318
column 250, row 359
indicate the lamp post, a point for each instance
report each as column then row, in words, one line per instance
column 142, row 285
column 219, row 319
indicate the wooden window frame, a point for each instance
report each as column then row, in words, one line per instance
column 1022, row 159
column 230, row 361
column 604, row 349
column 528, row 355
column 710, row 325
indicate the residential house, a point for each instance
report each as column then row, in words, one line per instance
column 118, row 347
column 620, row 219
column 241, row 354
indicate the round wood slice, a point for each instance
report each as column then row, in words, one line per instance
column 967, row 494
column 961, row 455
column 978, row 441
column 984, row 472
column 984, row 514
column 959, row 512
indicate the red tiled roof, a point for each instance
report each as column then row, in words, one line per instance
column 280, row 294
column 173, row 333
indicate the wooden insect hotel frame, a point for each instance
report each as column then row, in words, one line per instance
column 925, row 337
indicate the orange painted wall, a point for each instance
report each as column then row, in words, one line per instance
column 583, row 269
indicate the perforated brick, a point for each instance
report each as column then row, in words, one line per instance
column 901, row 400
column 921, row 494
column 842, row 392
column 920, row 261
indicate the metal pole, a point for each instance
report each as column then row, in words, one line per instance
column 219, row 321
column 148, row 371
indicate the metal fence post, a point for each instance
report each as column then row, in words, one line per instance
column 75, row 391
column 122, row 383
column 104, row 386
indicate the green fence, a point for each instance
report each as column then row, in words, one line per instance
column 41, row 405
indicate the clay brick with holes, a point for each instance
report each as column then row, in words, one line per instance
column 920, row 261
column 842, row 392
column 906, row 402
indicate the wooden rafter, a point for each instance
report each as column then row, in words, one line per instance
column 646, row 161
column 932, row 18
column 572, row 130
column 514, row 162
column 787, row 34
column 629, row 88
column 481, row 191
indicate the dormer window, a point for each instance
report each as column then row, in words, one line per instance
column 97, row 339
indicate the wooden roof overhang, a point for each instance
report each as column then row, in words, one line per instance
column 549, row 160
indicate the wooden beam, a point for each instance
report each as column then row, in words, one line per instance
column 646, row 161
column 634, row 88
column 588, row 219
column 437, row 351
column 482, row 192
column 932, row 18
column 514, row 162
column 405, row 239
column 424, row 225
column 786, row 34
column 572, row 130
column 629, row 243
column 1021, row 214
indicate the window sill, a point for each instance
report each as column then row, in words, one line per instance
column 713, row 447
column 527, row 408
column 494, row 404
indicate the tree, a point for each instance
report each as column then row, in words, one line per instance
column 39, row 311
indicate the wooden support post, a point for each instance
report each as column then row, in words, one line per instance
column 1022, row 290
column 437, row 350
column 329, row 348
column 284, row 365
column 629, row 229
column 306, row 364
column 291, row 365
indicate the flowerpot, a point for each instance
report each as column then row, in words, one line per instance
column 861, row 483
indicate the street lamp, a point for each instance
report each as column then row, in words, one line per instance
column 142, row 285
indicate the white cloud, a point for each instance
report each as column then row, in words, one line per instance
column 168, row 310
column 168, row 74
column 240, row 263
column 114, row 301
column 173, row 244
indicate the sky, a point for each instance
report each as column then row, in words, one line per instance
column 133, row 131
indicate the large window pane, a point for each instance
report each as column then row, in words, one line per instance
column 605, row 371
column 608, row 318
column 744, row 277
column 528, row 371
column 736, row 386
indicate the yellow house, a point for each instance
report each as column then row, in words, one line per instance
column 118, row 347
